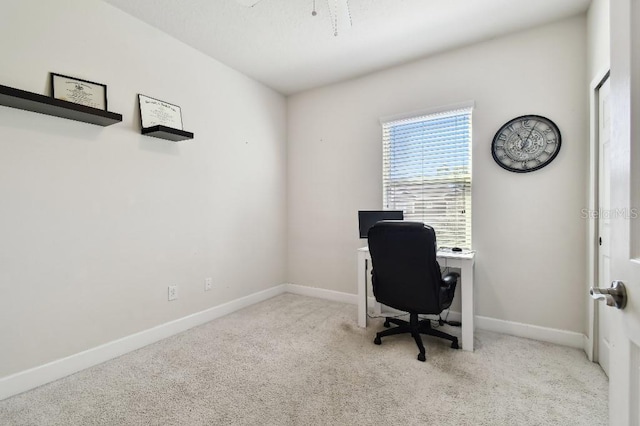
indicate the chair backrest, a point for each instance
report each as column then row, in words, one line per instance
column 406, row 274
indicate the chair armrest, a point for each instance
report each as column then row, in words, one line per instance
column 450, row 279
column 448, row 289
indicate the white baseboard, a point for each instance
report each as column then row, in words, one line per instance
column 321, row 293
column 544, row 334
column 38, row 376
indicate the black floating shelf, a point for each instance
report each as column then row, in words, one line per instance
column 168, row 133
column 29, row 101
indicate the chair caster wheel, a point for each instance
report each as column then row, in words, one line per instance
column 422, row 358
column 454, row 345
column 387, row 324
column 377, row 341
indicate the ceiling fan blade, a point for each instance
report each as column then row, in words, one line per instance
column 248, row 3
column 340, row 14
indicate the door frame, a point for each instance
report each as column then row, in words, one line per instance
column 591, row 337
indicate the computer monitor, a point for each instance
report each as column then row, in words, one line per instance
column 368, row 218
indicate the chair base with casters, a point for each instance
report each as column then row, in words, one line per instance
column 415, row 327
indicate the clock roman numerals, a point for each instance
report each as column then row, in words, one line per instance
column 525, row 144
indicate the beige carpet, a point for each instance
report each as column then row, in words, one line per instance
column 295, row 360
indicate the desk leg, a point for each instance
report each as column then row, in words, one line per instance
column 468, row 314
column 362, row 290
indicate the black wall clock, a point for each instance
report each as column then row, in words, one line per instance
column 526, row 143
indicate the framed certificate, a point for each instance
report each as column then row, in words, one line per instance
column 154, row 112
column 79, row 91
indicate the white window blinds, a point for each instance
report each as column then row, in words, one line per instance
column 427, row 172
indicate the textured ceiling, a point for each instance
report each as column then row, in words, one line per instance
column 280, row 43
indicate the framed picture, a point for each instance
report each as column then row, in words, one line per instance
column 78, row 91
column 155, row 112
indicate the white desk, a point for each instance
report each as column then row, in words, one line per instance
column 464, row 261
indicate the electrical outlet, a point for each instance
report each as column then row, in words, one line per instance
column 208, row 284
column 173, row 292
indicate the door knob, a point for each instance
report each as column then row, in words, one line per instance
column 616, row 295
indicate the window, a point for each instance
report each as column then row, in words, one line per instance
column 426, row 172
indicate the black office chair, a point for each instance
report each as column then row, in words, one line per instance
column 406, row 276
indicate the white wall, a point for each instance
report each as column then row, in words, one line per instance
column 96, row 222
column 527, row 228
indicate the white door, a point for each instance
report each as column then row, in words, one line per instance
column 624, row 366
column 604, row 221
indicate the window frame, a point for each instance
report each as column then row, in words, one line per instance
column 456, row 236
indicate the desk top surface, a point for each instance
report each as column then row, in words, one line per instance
column 444, row 253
